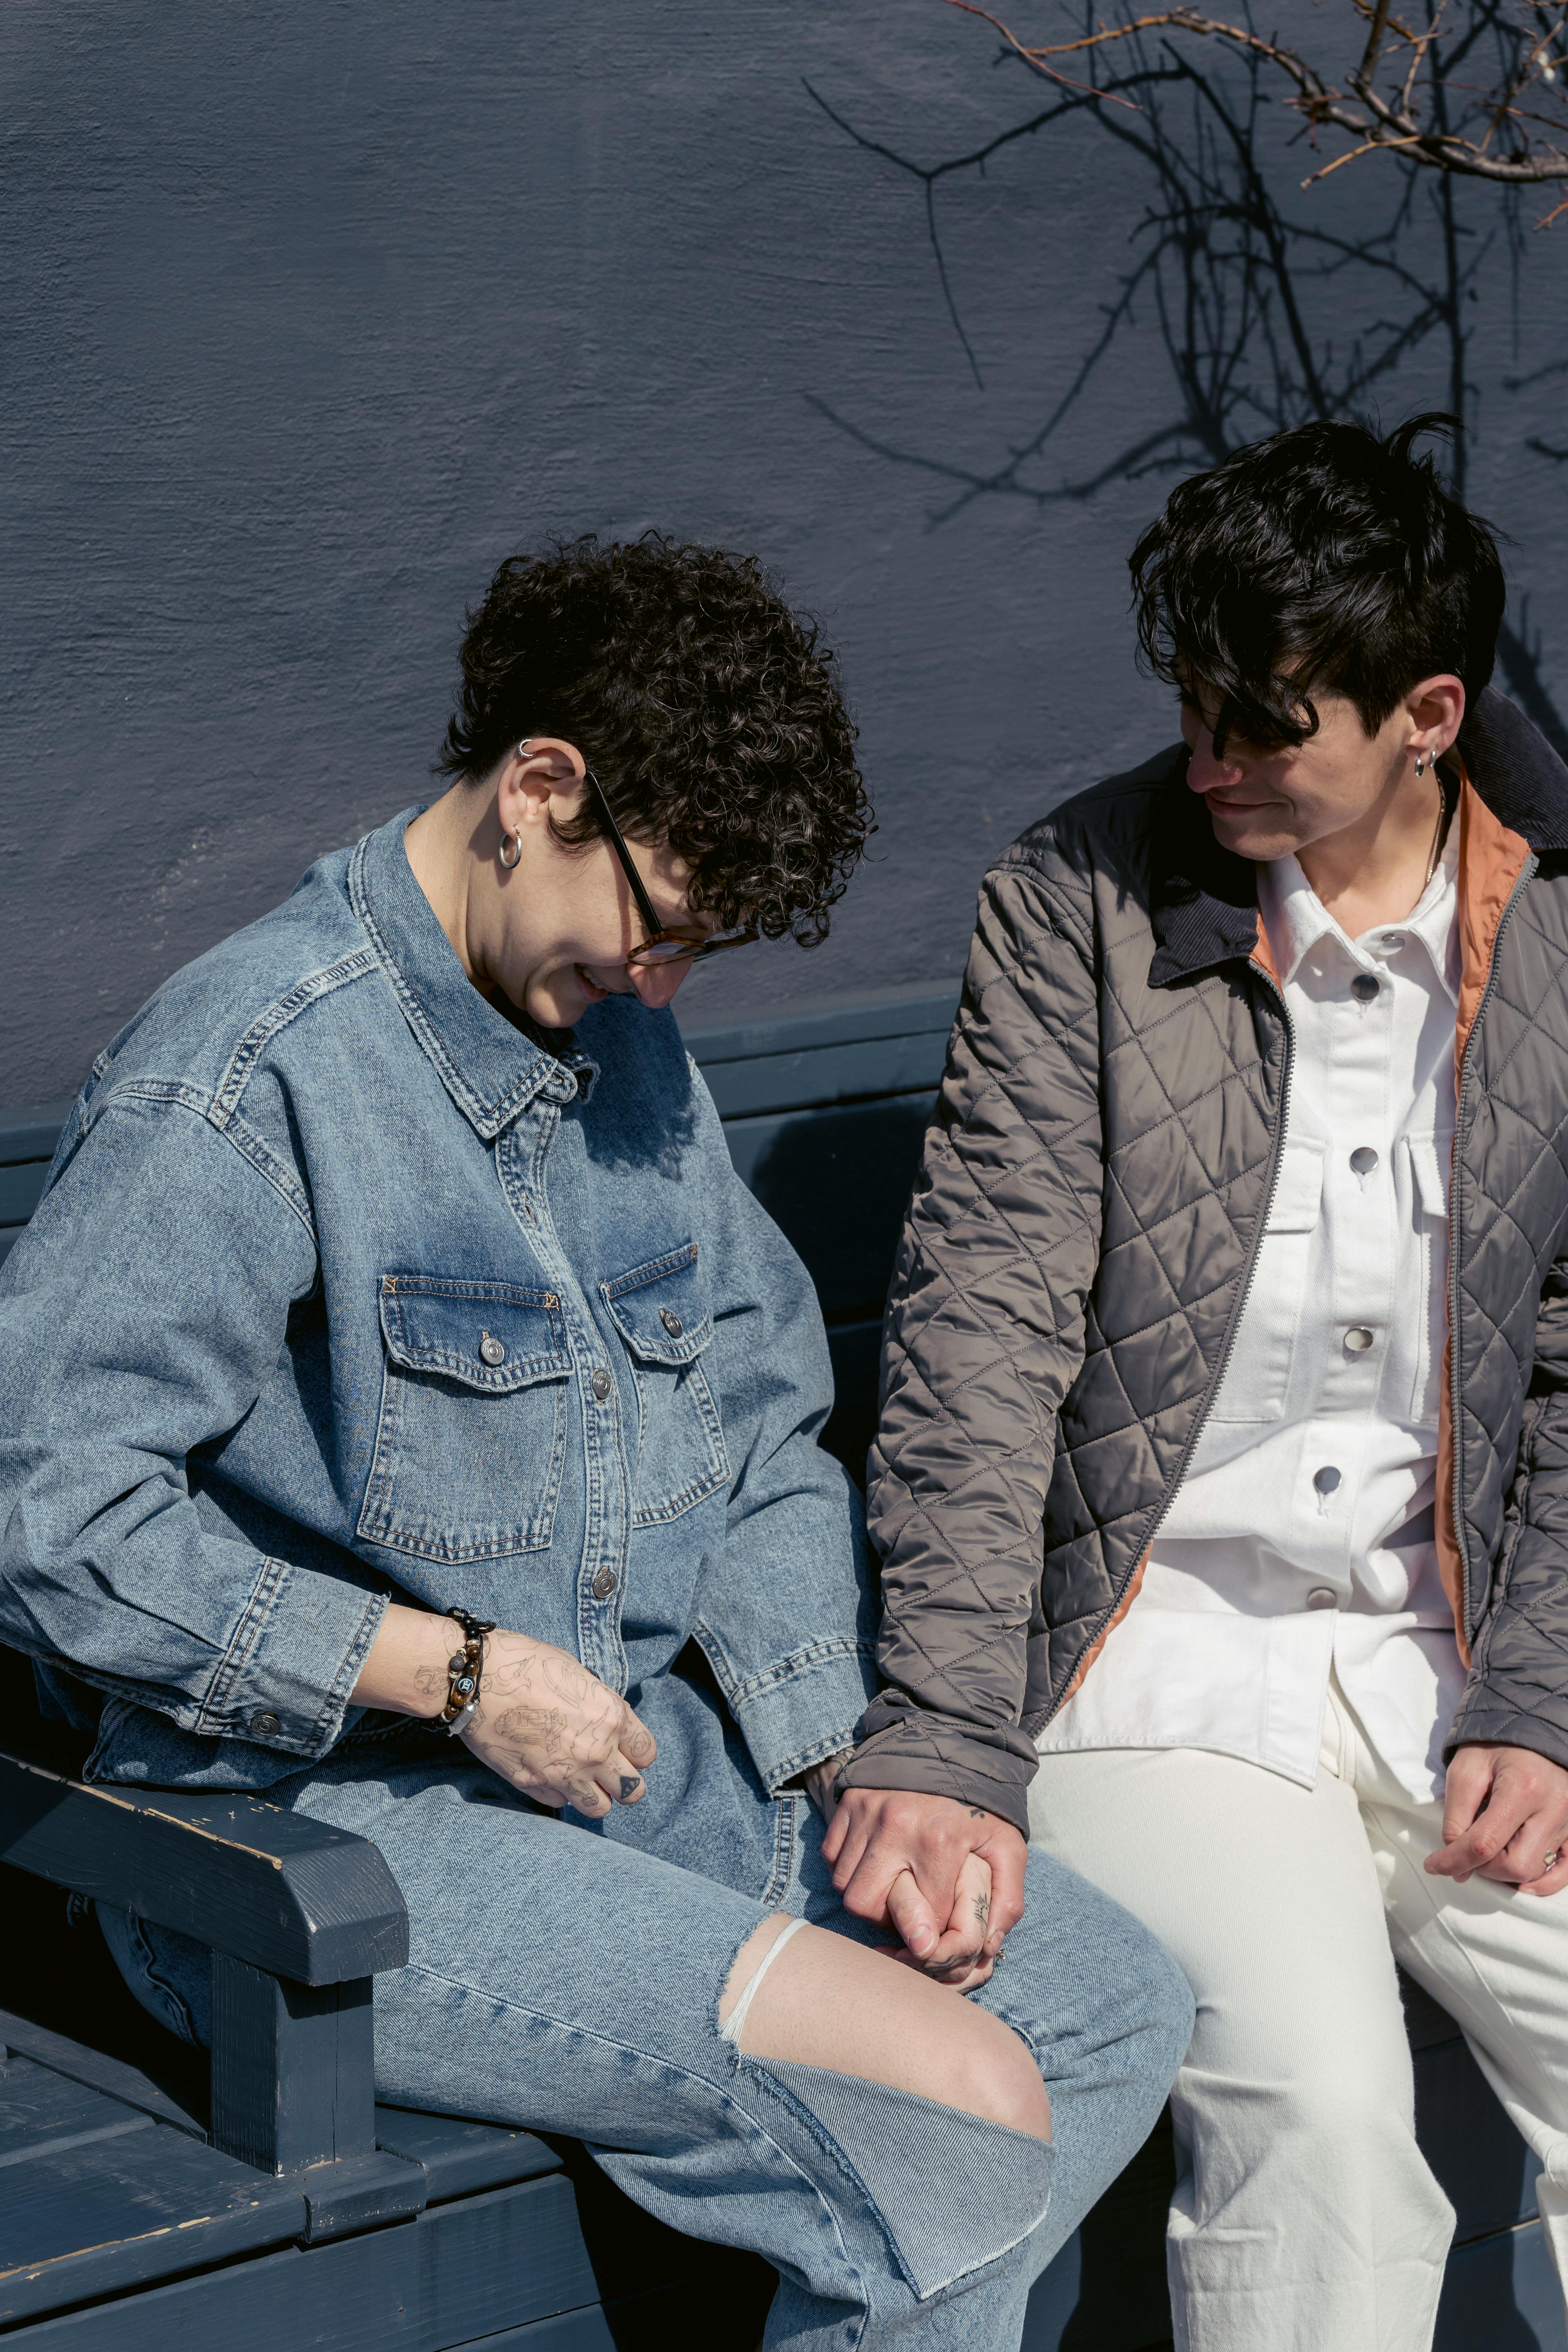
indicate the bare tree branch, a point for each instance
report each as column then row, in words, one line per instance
column 1404, row 93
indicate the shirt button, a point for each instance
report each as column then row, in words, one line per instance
column 1358, row 1340
column 605, row 1583
column 600, row 1385
column 1364, row 987
column 1321, row 1597
column 1364, row 1160
column 671, row 1322
column 1393, row 942
column 265, row 1723
column 491, row 1349
column 1326, row 1479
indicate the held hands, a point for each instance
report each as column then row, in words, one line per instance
column 548, row 1726
column 1506, row 1810
column 946, row 1877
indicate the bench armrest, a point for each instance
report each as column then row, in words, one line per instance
column 293, row 1897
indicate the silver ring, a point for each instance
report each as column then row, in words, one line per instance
column 1549, row 1861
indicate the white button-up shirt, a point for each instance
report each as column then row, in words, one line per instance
column 1301, row 1535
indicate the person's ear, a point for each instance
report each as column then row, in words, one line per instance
column 1435, row 710
column 540, row 777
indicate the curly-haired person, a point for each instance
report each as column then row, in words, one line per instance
column 406, row 1411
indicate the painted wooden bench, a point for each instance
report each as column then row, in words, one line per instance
column 150, row 2200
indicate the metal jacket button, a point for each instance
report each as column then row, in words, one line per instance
column 600, row 1385
column 671, row 1322
column 265, row 1723
column 1365, row 987
column 1321, row 1597
column 605, row 1583
column 491, row 1349
column 1364, row 1160
column 1326, row 1479
column 1358, row 1340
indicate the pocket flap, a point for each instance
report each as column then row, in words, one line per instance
column 492, row 1335
column 661, row 1309
column 1429, row 1160
column 1299, row 1194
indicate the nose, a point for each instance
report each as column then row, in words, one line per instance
column 656, row 984
column 1205, row 773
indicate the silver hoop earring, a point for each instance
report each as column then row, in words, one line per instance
column 1420, row 764
column 522, row 747
column 512, row 863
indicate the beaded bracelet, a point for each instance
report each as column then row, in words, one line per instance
column 466, row 1668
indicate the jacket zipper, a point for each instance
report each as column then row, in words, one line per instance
column 1162, row 1507
column 1526, row 871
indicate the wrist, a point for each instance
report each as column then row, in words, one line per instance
column 407, row 1670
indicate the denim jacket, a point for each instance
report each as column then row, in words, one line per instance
column 343, row 1289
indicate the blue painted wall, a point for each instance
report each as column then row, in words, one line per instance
column 309, row 314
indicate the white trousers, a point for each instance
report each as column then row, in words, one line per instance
column 1305, row 2218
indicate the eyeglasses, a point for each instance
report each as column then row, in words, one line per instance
column 665, row 943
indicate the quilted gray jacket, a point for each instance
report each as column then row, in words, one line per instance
column 1095, row 1184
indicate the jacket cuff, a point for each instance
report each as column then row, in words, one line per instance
column 1488, row 1718
column 802, row 1709
column 936, row 1759
column 292, row 1662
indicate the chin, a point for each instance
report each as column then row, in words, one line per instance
column 1244, row 836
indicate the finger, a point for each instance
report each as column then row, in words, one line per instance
column 1553, row 1881
column 620, row 1780
column 1532, row 1853
column 1008, row 1857
column 1482, row 1842
column 638, row 1741
column 912, row 1914
column 1469, row 1778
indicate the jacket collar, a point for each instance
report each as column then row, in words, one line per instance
column 491, row 1070
column 1203, row 900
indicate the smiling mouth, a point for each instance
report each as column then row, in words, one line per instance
column 591, row 989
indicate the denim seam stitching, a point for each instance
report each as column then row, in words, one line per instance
column 305, row 992
column 488, row 1119
column 234, row 1130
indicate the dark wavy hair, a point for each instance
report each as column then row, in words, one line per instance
column 1322, row 559
column 709, row 712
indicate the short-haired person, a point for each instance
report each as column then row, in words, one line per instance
column 1222, row 1478
column 395, row 1354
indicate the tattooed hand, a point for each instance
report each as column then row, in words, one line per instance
column 550, row 1727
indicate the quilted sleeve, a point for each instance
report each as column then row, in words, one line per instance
column 984, row 1335
column 1518, row 1690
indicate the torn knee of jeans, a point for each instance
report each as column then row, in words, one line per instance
column 747, row 1970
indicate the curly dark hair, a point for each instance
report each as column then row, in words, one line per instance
column 709, row 711
column 1328, row 550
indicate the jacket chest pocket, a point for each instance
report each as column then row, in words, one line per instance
column 661, row 1311
column 472, row 1434
column 1430, row 1156
column 1257, row 1377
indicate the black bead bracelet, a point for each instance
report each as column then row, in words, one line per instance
column 465, row 1670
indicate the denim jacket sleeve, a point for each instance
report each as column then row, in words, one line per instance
column 129, row 1338
column 785, row 1613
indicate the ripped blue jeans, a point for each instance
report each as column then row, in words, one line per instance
column 565, row 1982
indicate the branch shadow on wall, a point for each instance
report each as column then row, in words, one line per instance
column 1235, row 286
